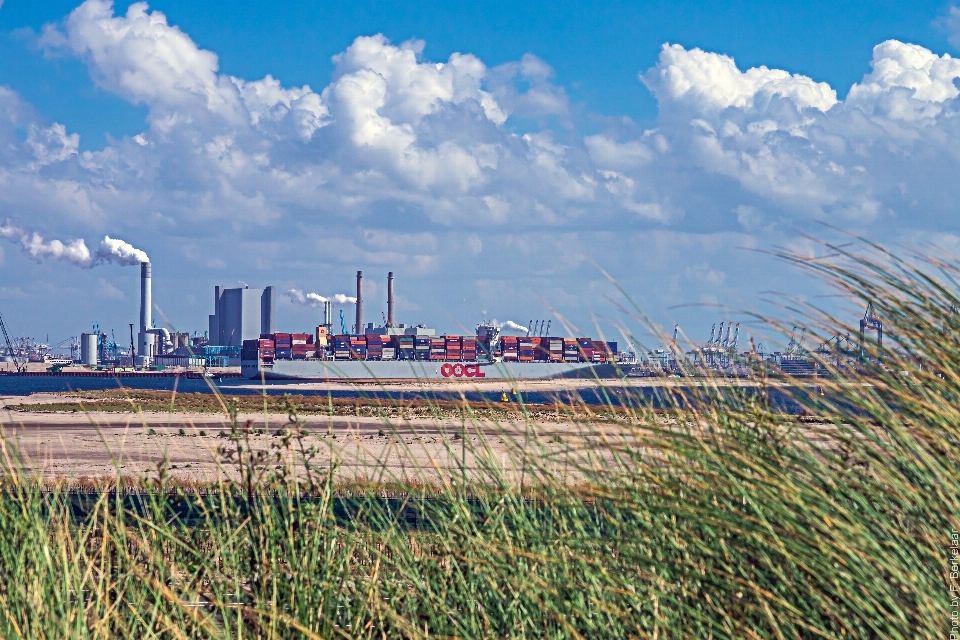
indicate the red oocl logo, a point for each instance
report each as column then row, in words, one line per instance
column 462, row 371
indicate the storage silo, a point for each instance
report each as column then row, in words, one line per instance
column 88, row 349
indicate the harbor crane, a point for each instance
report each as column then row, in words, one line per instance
column 870, row 322
column 795, row 346
column 21, row 367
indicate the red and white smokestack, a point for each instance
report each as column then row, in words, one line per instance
column 360, row 302
column 390, row 299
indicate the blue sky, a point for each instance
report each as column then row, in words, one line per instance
column 596, row 50
column 553, row 136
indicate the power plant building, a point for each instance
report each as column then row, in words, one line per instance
column 241, row 314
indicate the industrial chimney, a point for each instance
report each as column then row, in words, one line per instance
column 328, row 313
column 145, row 346
column 360, row 302
column 390, row 299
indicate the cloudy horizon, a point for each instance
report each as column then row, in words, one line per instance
column 486, row 188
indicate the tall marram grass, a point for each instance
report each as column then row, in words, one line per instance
column 715, row 517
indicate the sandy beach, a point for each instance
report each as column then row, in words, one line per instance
column 191, row 445
column 74, row 444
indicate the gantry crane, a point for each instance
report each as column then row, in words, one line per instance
column 870, row 322
column 13, row 354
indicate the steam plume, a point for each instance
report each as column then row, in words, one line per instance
column 296, row 296
column 510, row 325
column 74, row 251
column 123, row 253
column 344, row 299
column 312, row 299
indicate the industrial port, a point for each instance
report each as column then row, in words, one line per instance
column 242, row 338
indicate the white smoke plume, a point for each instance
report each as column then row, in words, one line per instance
column 74, row 251
column 299, row 298
column 123, row 253
column 296, row 296
column 510, row 325
column 341, row 298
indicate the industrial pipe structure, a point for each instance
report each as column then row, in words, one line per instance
column 359, row 327
column 390, row 299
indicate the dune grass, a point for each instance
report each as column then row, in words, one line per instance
column 715, row 518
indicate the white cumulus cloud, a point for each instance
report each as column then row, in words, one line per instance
column 469, row 177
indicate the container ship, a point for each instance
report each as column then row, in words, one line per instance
column 400, row 352
column 391, row 355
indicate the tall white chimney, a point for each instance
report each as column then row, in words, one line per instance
column 145, row 347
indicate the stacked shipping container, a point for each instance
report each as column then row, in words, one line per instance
column 422, row 345
column 585, row 347
column 374, row 347
column 301, row 345
column 553, row 349
column 358, row 347
column 510, row 348
column 438, row 348
column 267, row 348
column 287, row 346
column 452, row 348
column 284, row 346
column 404, row 347
column 341, row 347
column 526, row 348
column 468, row 349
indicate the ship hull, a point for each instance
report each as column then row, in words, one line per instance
column 346, row 370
